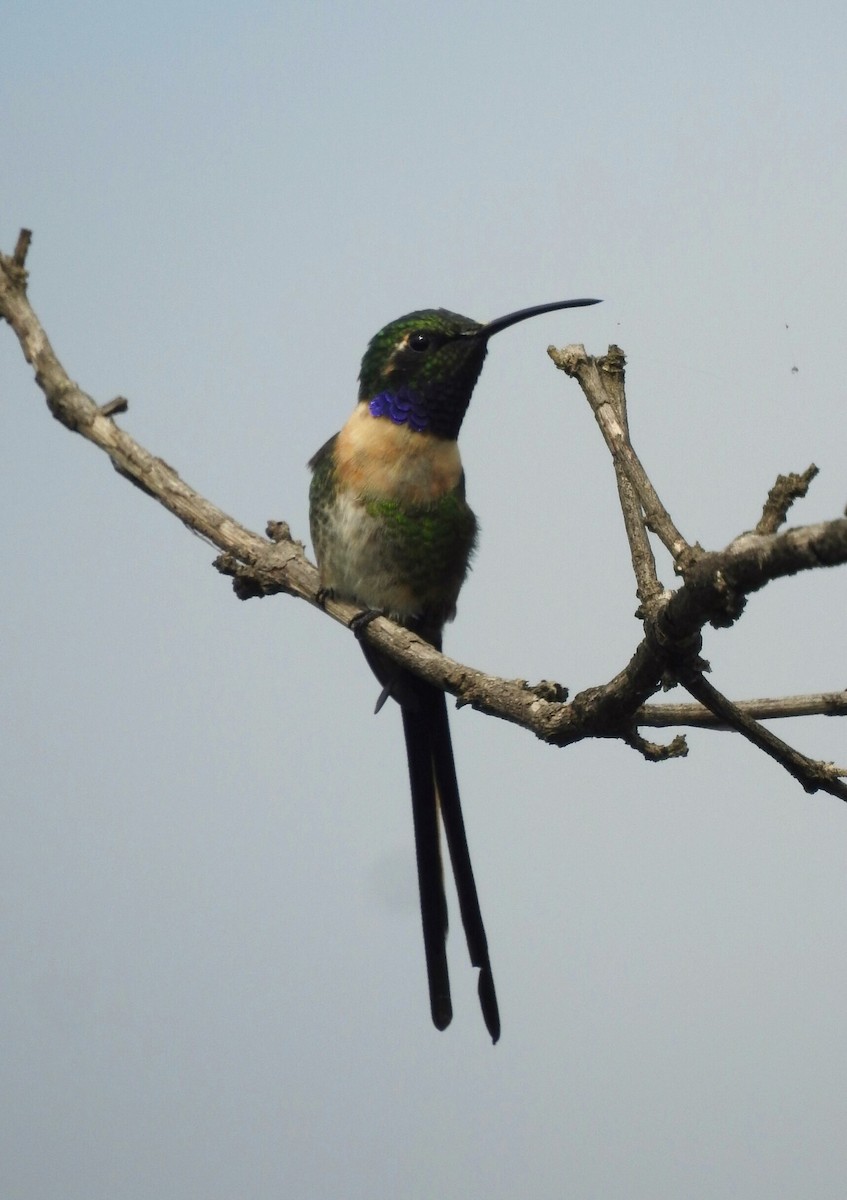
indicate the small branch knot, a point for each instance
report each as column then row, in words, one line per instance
column 655, row 751
column 548, row 689
column 613, row 361
column 21, row 249
column 278, row 531
column 782, row 495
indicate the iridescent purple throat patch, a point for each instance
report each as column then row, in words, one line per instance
column 403, row 407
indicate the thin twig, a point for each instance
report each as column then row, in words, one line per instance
column 821, row 704
column 592, row 375
column 647, row 585
column 812, row 775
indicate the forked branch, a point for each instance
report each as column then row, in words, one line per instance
column 713, row 590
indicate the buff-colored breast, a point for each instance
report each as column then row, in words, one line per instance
column 377, row 458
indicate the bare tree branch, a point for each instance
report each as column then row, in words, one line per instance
column 715, row 587
column 713, row 591
column 823, row 704
column 600, row 379
column 811, row 774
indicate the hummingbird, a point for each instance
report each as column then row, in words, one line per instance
column 393, row 533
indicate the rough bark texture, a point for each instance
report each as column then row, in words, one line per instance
column 713, row 588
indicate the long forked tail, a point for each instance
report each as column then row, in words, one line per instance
column 430, row 872
column 432, row 774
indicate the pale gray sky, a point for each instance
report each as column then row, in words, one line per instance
column 211, row 962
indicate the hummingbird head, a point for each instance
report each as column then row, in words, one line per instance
column 421, row 369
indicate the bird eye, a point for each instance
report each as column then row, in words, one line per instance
column 419, row 342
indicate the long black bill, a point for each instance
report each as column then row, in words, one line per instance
column 523, row 314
